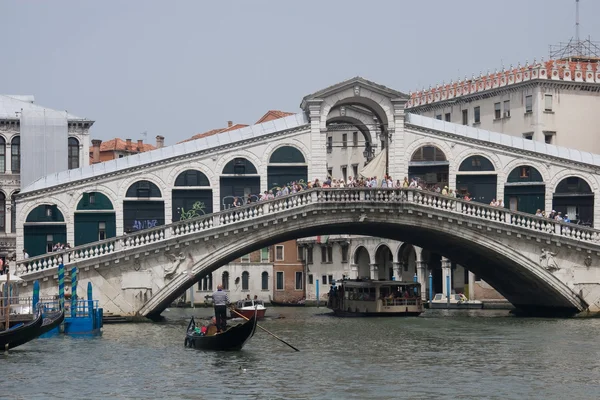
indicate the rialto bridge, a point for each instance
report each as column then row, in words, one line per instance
column 146, row 227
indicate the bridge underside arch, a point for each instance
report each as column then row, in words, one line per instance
column 523, row 282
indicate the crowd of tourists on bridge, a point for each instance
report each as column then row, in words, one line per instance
column 557, row 216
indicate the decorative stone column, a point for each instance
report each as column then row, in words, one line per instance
column 398, row 271
column 353, row 271
column 446, row 272
column 422, row 278
column 8, row 215
column 398, row 164
column 549, row 197
column 8, row 159
column 471, row 293
column 317, row 168
column 374, row 269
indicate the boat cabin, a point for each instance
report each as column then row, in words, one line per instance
column 366, row 298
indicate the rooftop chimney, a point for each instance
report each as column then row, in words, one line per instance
column 160, row 141
column 128, row 145
column 140, row 146
column 96, row 150
column 229, row 124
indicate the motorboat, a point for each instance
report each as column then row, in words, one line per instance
column 455, row 301
column 247, row 308
column 365, row 298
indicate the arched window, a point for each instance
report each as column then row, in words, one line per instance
column 264, row 277
column 15, row 154
column 2, row 155
column 428, row 153
column 73, row 153
column 245, row 279
column 2, row 212
column 476, row 163
column 13, row 212
column 287, row 154
column 225, row 280
column 239, row 166
column 143, row 189
column 191, row 178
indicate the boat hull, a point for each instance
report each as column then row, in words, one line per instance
column 455, row 306
column 342, row 313
column 260, row 314
column 232, row 339
column 17, row 336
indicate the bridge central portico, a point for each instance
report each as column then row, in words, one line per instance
column 182, row 193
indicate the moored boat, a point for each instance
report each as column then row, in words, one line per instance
column 248, row 308
column 454, row 302
column 234, row 338
column 294, row 303
column 365, row 298
column 21, row 334
column 51, row 321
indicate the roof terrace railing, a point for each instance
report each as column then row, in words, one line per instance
column 301, row 199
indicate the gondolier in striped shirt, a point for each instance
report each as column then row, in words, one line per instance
column 221, row 301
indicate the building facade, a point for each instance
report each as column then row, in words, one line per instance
column 11, row 159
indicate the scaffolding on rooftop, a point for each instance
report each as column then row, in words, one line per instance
column 576, row 50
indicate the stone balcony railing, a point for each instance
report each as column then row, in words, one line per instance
column 299, row 200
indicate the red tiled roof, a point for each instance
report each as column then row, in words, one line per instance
column 273, row 114
column 214, row 132
column 118, row 144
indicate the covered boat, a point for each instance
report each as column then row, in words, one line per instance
column 365, row 298
column 294, row 303
column 454, row 301
column 248, row 307
column 234, row 338
column 21, row 334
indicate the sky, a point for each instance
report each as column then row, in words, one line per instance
column 178, row 68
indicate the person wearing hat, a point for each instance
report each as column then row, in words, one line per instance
column 566, row 219
column 445, row 191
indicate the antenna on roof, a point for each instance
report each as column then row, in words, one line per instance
column 577, row 21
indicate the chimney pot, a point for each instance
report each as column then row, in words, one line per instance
column 96, row 150
column 229, row 124
column 140, row 145
column 128, row 146
column 160, row 141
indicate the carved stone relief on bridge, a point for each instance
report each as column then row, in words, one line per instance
column 175, row 261
column 547, row 261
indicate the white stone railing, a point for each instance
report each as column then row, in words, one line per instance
column 231, row 216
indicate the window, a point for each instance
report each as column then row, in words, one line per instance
column 355, row 139
column 300, row 253
column 279, row 283
column 506, row 108
column 475, row 162
column 528, row 104
column 92, row 198
column 525, row 171
column 309, row 255
column 101, row 230
column 329, row 144
column 344, row 140
column 2, row 155
column 245, row 258
column 324, row 279
column 331, row 279
column 15, row 154
column 344, row 254
column 447, row 117
column 344, row 172
column 477, row 115
column 528, row 136
column 323, row 254
column 439, row 116
column 329, row 172
column 310, row 279
column 264, row 254
column 2, row 212
column 548, row 138
column 49, row 211
column 497, row 111
column 49, row 243
column 264, row 280
column 13, row 213
column 329, row 253
column 225, row 280
column 355, row 170
column 73, row 153
column 548, row 102
column 279, row 253
column 299, row 280
column 465, row 117
column 245, row 279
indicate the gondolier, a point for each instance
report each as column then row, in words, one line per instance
column 221, row 301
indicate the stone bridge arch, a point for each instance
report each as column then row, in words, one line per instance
column 509, row 263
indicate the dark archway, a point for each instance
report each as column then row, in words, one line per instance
column 192, row 195
column 44, row 227
column 407, row 257
column 477, row 177
column 287, row 165
column 239, row 180
column 94, row 219
column 525, row 190
column 574, row 197
column 430, row 166
column 362, row 260
column 143, row 207
column 384, row 260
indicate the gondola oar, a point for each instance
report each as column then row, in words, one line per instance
column 272, row 334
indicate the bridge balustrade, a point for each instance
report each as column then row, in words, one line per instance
column 251, row 211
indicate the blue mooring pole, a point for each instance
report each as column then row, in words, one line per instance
column 416, row 280
column 61, row 286
column 430, row 287
column 448, row 288
column 36, row 294
column 90, row 300
column 74, row 292
column 317, row 285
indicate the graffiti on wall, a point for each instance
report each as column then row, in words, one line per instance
column 139, row 224
column 196, row 211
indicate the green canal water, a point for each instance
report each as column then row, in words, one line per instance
column 439, row 355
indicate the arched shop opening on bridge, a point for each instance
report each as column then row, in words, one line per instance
column 574, row 197
column 44, row 227
column 362, row 260
column 94, row 218
column 525, row 190
column 384, row 262
column 286, row 165
column 477, row 178
column 192, row 196
column 239, row 179
column 429, row 165
column 143, row 207
column 407, row 257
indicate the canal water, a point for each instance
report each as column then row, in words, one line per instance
column 439, row 355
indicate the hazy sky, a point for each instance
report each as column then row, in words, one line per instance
column 177, row 68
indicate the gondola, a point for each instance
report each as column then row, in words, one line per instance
column 299, row 303
column 51, row 321
column 20, row 335
column 234, row 338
